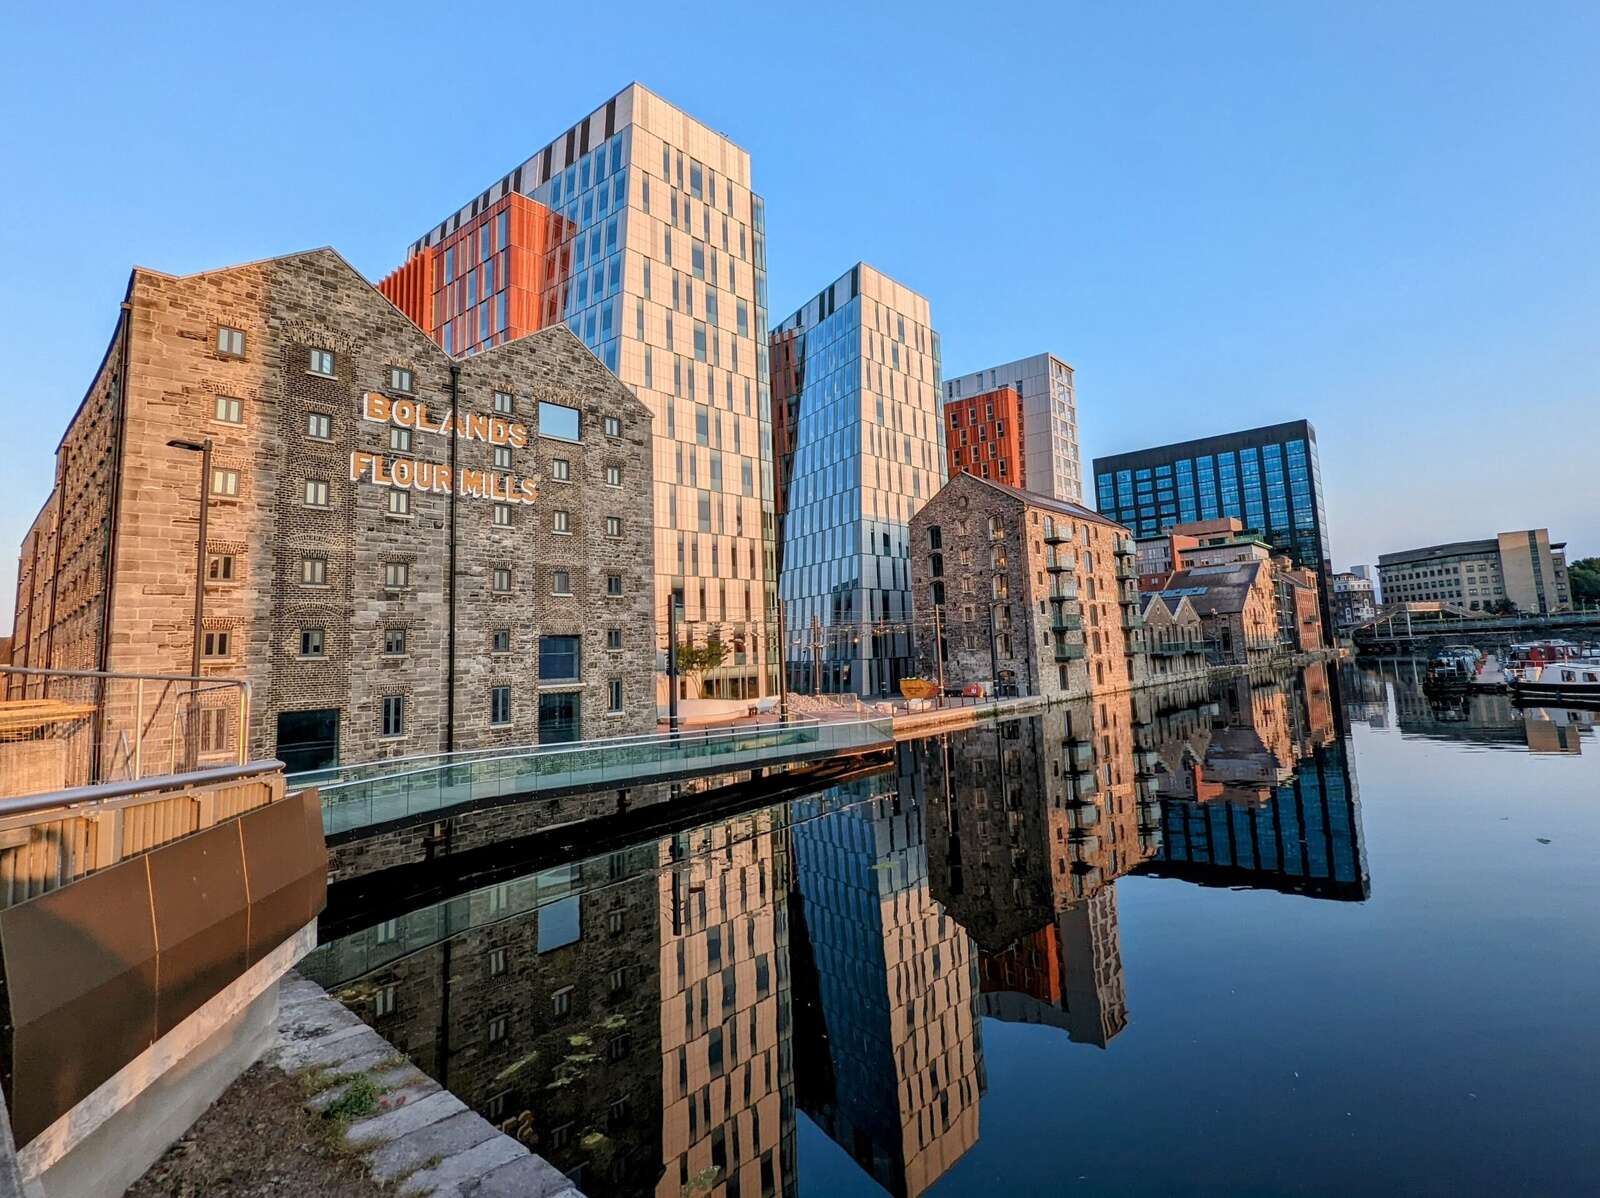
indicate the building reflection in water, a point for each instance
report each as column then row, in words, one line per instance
column 651, row 1020
column 1489, row 719
column 1036, row 818
column 726, row 1032
column 1286, row 817
column 890, row 1061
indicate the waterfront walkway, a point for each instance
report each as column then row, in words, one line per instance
column 405, row 788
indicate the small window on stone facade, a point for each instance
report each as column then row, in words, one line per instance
column 499, row 705
column 383, row 1001
column 500, row 642
column 399, row 502
column 311, row 642
column 614, row 689
column 936, row 594
column 502, row 457
column 319, row 426
column 400, row 379
column 560, row 521
column 560, row 582
column 613, row 426
column 502, row 402
column 394, row 715
column 935, row 537
column 229, row 410
column 394, row 642
column 497, row 1029
column 502, row 515
column 614, row 923
column 561, row 1004
column 613, row 585
column 613, row 638
column 396, row 575
column 497, row 962
column 613, row 476
column 230, row 342
column 613, row 526
column 400, row 439
column 224, row 482
column 560, row 469
column 320, row 361
column 314, row 571
column 219, row 567
column 217, row 643
column 501, row 580
column 316, row 492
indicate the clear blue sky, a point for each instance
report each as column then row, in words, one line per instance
column 1384, row 217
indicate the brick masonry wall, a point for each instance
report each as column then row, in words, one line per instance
column 285, row 308
column 1023, row 641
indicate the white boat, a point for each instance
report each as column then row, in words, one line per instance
column 1561, row 681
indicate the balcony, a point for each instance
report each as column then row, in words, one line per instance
column 1132, row 620
column 1129, row 593
column 1056, row 563
column 1070, row 651
column 1080, row 756
column 1063, row 622
column 1177, row 648
column 1062, row 589
column 1127, row 568
column 1059, row 535
column 1125, row 547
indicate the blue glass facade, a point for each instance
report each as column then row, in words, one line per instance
column 1269, row 479
column 858, row 448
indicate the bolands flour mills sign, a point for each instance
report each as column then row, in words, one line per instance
column 436, row 477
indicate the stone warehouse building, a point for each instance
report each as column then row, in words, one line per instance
column 406, row 553
column 1034, row 595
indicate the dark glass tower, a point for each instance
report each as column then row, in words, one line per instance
column 1268, row 478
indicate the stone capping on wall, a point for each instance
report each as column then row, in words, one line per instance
column 423, row 1139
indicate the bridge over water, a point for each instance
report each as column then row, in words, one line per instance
column 1406, row 630
column 404, row 789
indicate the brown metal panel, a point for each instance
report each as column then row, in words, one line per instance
column 199, row 897
column 81, row 978
column 286, row 864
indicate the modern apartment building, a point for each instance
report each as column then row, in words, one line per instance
column 653, row 252
column 1269, row 478
column 858, row 448
column 1521, row 571
column 404, row 553
column 1051, row 465
column 1354, row 601
column 984, row 436
column 1033, row 595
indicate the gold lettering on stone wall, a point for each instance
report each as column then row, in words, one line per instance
column 436, row 478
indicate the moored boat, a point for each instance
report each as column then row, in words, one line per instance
column 1562, row 682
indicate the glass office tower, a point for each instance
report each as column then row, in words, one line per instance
column 655, row 256
column 858, row 448
column 1268, row 478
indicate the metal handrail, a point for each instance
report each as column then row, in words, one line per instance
column 102, row 792
column 213, row 680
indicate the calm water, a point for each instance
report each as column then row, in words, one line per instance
column 1315, row 936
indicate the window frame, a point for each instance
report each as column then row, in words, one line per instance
column 223, row 342
column 315, row 355
column 217, row 409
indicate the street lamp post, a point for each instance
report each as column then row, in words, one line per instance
column 203, row 448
